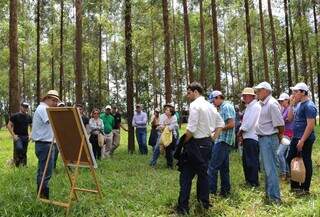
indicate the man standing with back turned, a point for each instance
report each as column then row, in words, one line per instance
column 203, row 121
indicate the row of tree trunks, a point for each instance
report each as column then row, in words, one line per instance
column 288, row 44
column 263, row 41
column 317, row 50
column 216, row 46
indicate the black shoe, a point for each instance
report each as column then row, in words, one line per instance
column 225, row 194
column 181, row 211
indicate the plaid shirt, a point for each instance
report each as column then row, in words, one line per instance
column 227, row 111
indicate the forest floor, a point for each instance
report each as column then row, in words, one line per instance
column 132, row 188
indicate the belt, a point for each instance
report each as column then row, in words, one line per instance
column 201, row 139
column 43, row 142
column 260, row 136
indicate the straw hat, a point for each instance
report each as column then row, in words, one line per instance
column 52, row 94
column 248, row 91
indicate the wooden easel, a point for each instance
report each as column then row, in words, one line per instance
column 72, row 175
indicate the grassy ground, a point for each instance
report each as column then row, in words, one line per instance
column 131, row 188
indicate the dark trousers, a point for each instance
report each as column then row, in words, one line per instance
column 191, row 168
column 169, row 153
column 250, row 161
column 306, row 156
column 95, row 146
column 20, row 151
column 42, row 151
column 219, row 162
column 56, row 154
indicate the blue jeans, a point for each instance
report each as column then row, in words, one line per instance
column 141, row 134
column 156, row 151
column 268, row 149
column 42, row 151
column 20, row 151
column 169, row 152
column 282, row 153
column 219, row 162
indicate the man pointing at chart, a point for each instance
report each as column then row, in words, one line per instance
column 43, row 136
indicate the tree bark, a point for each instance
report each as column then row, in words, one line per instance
column 61, row 71
column 78, row 71
column 188, row 37
column 38, row 93
column 216, row 45
column 202, row 48
column 294, row 55
column 288, row 44
column 317, row 51
column 129, row 74
column 167, row 69
column 100, row 59
column 248, row 31
column 304, row 68
column 14, row 95
column 263, row 42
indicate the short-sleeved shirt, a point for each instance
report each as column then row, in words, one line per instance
column 227, row 112
column 117, row 121
column 305, row 110
column 108, row 122
column 270, row 117
column 21, row 122
column 41, row 128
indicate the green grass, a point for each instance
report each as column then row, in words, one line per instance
column 131, row 188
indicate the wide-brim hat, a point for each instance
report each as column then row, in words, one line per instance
column 51, row 94
column 248, row 91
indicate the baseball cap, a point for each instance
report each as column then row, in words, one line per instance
column 300, row 86
column 25, row 104
column 284, row 96
column 264, row 85
column 108, row 107
column 213, row 95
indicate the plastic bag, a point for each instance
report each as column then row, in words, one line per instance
column 165, row 139
column 101, row 139
column 298, row 170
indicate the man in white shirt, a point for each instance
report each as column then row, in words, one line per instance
column 249, row 138
column 203, row 121
column 270, row 130
column 42, row 134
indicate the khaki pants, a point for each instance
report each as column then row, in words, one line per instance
column 106, row 148
column 116, row 140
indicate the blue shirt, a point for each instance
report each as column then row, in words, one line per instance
column 227, row 112
column 41, row 128
column 304, row 110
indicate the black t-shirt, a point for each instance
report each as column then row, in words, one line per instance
column 20, row 123
column 85, row 120
column 117, row 120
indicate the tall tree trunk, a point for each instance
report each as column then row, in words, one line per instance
column 154, row 80
column 216, row 45
column 294, row 55
column 24, row 89
column 317, row 50
column 248, row 31
column 275, row 51
column 185, row 58
column 129, row 74
column 232, row 76
column 14, row 95
column 78, row 70
column 38, row 94
column 107, row 70
column 167, row 70
column 188, row 37
column 100, row 59
column 263, row 42
column 225, row 61
column 52, row 53
column 288, row 44
column 304, row 68
column 202, row 48
column 61, row 81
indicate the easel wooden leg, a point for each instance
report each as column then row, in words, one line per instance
column 75, row 177
column 45, row 171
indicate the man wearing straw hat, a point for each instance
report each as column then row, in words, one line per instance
column 42, row 134
column 249, row 138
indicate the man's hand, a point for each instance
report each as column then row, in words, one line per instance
column 300, row 145
column 15, row 137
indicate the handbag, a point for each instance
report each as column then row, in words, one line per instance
column 298, row 170
column 101, row 139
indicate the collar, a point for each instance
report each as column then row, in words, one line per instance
column 251, row 103
column 266, row 100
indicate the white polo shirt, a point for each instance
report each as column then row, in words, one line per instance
column 250, row 120
column 203, row 118
column 41, row 128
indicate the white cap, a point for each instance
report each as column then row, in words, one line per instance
column 263, row 85
column 108, row 107
column 284, row 96
column 300, row 86
column 216, row 93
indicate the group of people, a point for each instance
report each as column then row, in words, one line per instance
column 271, row 132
